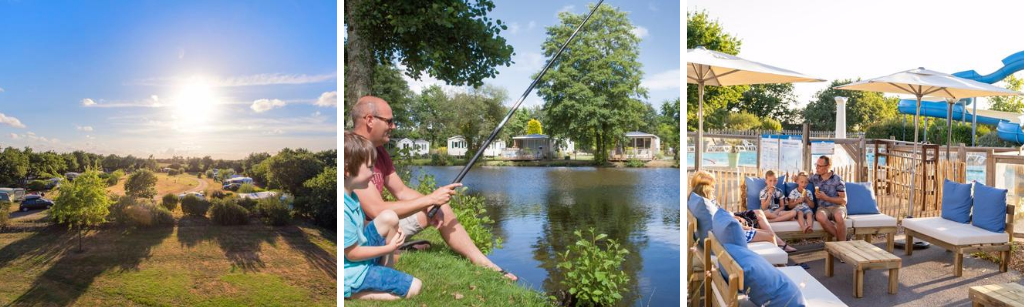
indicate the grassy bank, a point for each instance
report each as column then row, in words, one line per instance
column 194, row 263
column 450, row 280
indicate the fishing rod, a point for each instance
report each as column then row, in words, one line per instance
column 480, row 151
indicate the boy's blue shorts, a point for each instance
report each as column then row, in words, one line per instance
column 381, row 278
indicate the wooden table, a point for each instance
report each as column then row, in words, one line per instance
column 1010, row 294
column 863, row 256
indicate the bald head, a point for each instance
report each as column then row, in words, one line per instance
column 368, row 119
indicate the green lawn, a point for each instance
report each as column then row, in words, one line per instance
column 446, row 275
column 195, row 263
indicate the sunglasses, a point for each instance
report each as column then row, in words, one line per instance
column 389, row 121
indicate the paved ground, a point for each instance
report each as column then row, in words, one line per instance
column 926, row 278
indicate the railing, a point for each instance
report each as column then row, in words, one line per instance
column 814, row 134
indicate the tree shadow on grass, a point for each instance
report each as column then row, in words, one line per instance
column 242, row 245
column 319, row 258
column 42, row 247
column 74, row 272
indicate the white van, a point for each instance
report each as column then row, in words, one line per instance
column 16, row 194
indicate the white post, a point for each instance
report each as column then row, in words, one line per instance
column 840, row 117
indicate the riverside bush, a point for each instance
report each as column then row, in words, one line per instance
column 592, row 274
column 227, row 212
column 192, row 205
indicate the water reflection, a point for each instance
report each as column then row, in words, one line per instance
column 538, row 209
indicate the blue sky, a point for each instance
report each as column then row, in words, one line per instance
column 871, row 38
column 168, row 78
column 657, row 23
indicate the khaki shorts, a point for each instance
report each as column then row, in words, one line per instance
column 831, row 211
column 410, row 225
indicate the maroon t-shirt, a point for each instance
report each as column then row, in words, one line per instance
column 382, row 167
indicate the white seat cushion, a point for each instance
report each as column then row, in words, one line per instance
column 815, row 294
column 794, row 226
column 872, row 220
column 952, row 232
column 770, row 252
column 741, row 298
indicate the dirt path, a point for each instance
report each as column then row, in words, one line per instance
column 199, row 188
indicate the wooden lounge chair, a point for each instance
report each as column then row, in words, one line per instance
column 960, row 238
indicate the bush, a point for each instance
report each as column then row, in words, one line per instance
column 39, row 185
column 248, row 188
column 146, row 214
column 473, row 217
column 742, row 121
column 228, row 212
column 173, row 172
column 169, row 201
column 216, row 194
column 193, row 206
column 771, row 124
column 440, row 159
column 273, row 211
column 114, row 177
column 141, row 184
column 248, row 204
column 634, row 162
column 593, row 275
column 5, row 213
column 992, row 140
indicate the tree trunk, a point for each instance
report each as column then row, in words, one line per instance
column 358, row 57
column 80, row 238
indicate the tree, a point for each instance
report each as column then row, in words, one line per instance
column 82, row 203
column 289, row 169
column 770, row 124
column 451, row 40
column 702, row 31
column 742, row 121
column 592, row 93
column 862, row 108
column 140, row 184
column 13, row 166
column 774, row 101
column 479, row 111
column 322, row 202
column 668, row 126
column 534, row 127
column 1013, row 104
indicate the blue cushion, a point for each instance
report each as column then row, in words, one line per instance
column 701, row 212
column 727, row 229
column 956, row 201
column 764, row 284
column 989, row 208
column 859, row 199
column 754, row 187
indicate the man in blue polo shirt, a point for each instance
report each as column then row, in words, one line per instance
column 830, row 194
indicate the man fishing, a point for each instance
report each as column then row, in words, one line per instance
column 372, row 119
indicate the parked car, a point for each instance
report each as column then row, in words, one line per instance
column 4, row 197
column 35, row 202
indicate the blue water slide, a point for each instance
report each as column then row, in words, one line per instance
column 1007, row 131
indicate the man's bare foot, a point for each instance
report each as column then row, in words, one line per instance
column 508, row 274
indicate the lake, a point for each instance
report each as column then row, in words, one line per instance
column 538, row 208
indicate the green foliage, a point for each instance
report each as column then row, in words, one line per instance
column 937, row 132
column 321, row 204
column 418, row 34
column 770, row 124
column 534, row 127
column 594, row 275
column 742, row 121
column 114, row 177
column 39, row 185
column 774, row 101
column 5, row 213
column 472, row 214
column 227, row 212
column 248, row 188
column 193, row 206
column 634, row 162
column 273, row 211
column 668, row 128
column 1013, row 104
column 895, row 127
column 290, row 169
column 141, row 213
column 702, row 30
column 169, row 201
column 173, row 172
column 992, row 139
column 82, row 202
column 13, row 166
column 248, row 204
column 593, row 93
column 862, row 108
column 440, row 159
column 209, row 174
column 141, row 184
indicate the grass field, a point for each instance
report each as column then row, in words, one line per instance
column 450, row 280
column 195, row 263
column 166, row 184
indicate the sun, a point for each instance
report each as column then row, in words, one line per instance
column 195, row 105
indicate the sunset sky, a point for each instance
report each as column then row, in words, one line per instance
column 189, row 78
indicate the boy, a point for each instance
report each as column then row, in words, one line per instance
column 801, row 202
column 771, row 201
column 369, row 251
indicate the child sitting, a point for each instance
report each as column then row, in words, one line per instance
column 370, row 250
column 772, row 201
column 801, row 202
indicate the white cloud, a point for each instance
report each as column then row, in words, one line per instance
column 425, row 81
column 327, row 99
column 513, row 28
column 529, row 62
column 640, row 32
column 662, row 81
column 1, row 90
column 531, row 25
column 15, row 136
column 316, row 114
column 88, row 102
column 250, row 80
column 84, row 128
column 567, row 8
column 11, row 121
column 264, row 105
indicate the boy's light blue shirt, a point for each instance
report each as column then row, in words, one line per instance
column 354, row 217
